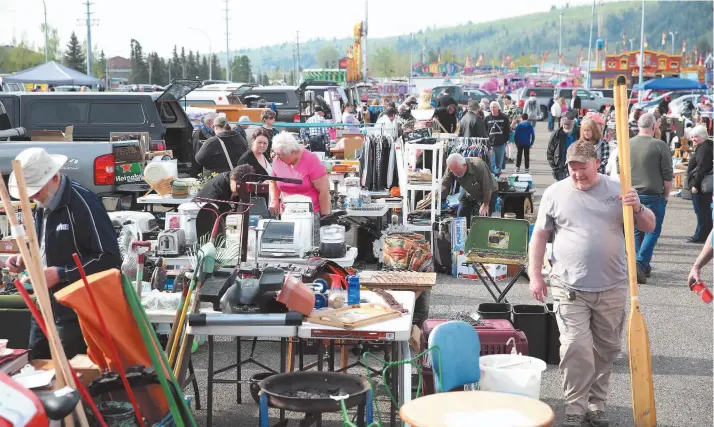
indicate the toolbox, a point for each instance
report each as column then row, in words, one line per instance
column 493, row 336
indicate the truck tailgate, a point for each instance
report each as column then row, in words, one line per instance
column 80, row 158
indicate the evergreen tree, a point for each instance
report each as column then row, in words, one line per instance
column 218, row 72
column 192, row 68
column 139, row 68
column 183, row 63
column 203, row 70
column 100, row 66
column 159, row 70
column 74, row 57
column 174, row 65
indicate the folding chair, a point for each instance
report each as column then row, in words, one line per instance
column 497, row 241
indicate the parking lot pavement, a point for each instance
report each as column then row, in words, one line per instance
column 680, row 330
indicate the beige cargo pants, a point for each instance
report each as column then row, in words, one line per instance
column 590, row 327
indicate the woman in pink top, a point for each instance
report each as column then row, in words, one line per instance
column 294, row 161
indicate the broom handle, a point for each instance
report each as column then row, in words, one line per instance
column 109, row 341
column 37, row 275
column 182, row 320
column 184, row 341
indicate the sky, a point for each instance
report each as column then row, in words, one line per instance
column 201, row 25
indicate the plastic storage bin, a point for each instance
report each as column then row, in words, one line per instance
column 531, row 319
column 491, row 310
column 511, row 373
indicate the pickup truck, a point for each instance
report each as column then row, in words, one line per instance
column 92, row 158
column 588, row 99
column 90, row 163
column 462, row 95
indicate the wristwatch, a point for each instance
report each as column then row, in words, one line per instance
column 640, row 209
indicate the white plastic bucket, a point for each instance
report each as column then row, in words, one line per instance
column 511, row 373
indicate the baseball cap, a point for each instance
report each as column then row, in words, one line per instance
column 581, row 151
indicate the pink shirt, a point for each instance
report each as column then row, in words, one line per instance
column 308, row 168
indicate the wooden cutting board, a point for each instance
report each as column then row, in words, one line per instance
column 397, row 280
column 354, row 316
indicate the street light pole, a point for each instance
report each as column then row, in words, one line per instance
column 590, row 44
column 560, row 40
column 46, row 30
column 210, row 51
column 672, row 34
column 632, row 46
column 642, row 51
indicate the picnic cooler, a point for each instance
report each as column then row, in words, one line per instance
column 493, row 335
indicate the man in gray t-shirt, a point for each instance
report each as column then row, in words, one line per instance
column 588, row 278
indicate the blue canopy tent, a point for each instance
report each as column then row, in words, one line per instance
column 670, row 83
column 52, row 73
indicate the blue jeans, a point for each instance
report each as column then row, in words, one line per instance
column 645, row 242
column 701, row 203
column 469, row 207
column 499, row 155
column 551, row 122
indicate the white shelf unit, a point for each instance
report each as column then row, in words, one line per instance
column 406, row 157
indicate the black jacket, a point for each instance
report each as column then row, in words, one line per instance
column 498, row 128
column 199, row 135
column 700, row 164
column 80, row 225
column 448, row 121
column 473, row 125
column 249, row 159
column 663, row 107
column 556, row 151
column 577, row 103
column 446, row 100
column 218, row 188
column 212, row 157
column 240, row 131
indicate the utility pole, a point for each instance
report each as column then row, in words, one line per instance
column 365, row 31
column 44, row 5
column 590, row 44
column 642, row 51
column 89, row 38
column 297, row 47
column 632, row 43
column 560, row 40
column 672, row 34
column 228, row 61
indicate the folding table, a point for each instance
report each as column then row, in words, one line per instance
column 497, row 241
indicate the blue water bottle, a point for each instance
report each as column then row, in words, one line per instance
column 352, row 290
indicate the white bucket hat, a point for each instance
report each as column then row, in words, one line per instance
column 39, row 167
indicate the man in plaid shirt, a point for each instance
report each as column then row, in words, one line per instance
column 318, row 137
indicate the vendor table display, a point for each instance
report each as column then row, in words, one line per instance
column 476, row 408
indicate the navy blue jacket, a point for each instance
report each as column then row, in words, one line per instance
column 80, row 224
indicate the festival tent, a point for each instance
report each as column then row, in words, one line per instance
column 670, row 83
column 52, row 73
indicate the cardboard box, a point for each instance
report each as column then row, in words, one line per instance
column 85, row 368
column 352, row 143
column 53, row 135
column 8, row 245
column 458, row 234
column 497, row 271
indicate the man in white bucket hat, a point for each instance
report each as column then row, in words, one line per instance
column 69, row 219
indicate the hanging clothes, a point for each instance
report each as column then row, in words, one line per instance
column 378, row 168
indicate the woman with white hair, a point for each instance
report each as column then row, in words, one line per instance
column 292, row 160
column 699, row 179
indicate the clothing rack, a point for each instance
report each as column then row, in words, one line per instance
column 469, row 147
column 378, row 163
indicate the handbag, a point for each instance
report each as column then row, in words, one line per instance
column 707, row 185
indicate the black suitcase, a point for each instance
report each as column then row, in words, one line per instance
column 443, row 257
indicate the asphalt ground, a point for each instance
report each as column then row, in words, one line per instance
column 680, row 331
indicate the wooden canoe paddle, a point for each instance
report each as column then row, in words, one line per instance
column 638, row 342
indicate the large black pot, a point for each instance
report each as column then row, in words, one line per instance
column 280, row 388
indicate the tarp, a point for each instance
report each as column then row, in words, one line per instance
column 670, row 83
column 52, row 73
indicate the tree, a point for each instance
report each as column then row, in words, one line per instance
column 53, row 43
column 383, row 63
column 218, row 72
column 174, row 65
column 183, row 63
column 431, row 56
column 74, row 57
column 264, row 79
column 159, row 69
column 241, row 70
column 203, row 69
column 192, row 67
column 327, row 57
column 139, row 68
column 100, row 66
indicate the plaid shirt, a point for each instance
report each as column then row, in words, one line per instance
column 603, row 153
column 315, row 132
